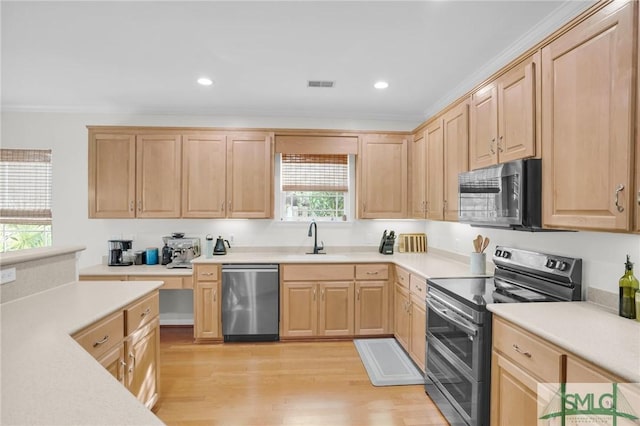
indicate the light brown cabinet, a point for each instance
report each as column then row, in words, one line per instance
column 587, row 123
column 127, row 344
column 371, row 299
column 418, row 176
column 150, row 173
column 382, row 176
column 503, row 117
column 134, row 175
column 204, row 175
column 112, row 175
column 410, row 314
column 434, row 136
column 206, row 303
column 456, row 155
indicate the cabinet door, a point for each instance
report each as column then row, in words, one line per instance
column 418, row 177
column 401, row 323
column 484, row 127
column 456, row 156
column 299, row 309
column 372, row 307
column 434, row 136
column 513, row 394
column 207, row 310
column 336, row 309
column 143, row 356
column 204, row 175
column 113, row 361
column 250, row 177
column 417, row 339
column 112, row 175
column 587, row 124
column 158, row 175
column 383, row 177
column 517, row 112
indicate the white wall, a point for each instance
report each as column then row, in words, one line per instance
column 602, row 253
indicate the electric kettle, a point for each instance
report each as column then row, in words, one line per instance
column 220, row 248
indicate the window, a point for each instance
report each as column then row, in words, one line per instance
column 314, row 186
column 25, row 198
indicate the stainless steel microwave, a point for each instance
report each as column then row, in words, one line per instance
column 506, row 195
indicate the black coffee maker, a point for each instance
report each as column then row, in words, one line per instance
column 116, row 252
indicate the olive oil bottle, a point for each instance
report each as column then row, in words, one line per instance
column 628, row 286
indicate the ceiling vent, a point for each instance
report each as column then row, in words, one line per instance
column 320, row 83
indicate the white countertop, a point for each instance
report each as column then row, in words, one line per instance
column 26, row 255
column 151, row 270
column 428, row 265
column 47, row 378
column 583, row 329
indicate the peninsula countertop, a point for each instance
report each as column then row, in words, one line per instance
column 48, row 378
column 583, row 329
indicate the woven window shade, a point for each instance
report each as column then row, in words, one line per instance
column 25, row 186
column 310, row 172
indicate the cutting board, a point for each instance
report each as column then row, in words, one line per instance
column 412, row 243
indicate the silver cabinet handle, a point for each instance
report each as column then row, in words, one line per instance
column 132, row 357
column 222, row 206
column 639, row 198
column 230, row 209
column 426, row 207
column 139, row 205
column 145, row 313
column 616, row 201
column 491, row 148
column 131, row 205
column 322, row 293
column 314, row 294
column 207, row 274
column 101, row 341
column 372, row 273
column 364, row 207
column 215, row 295
column 358, row 294
column 500, row 144
column 520, row 351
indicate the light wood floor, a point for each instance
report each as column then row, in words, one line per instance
column 302, row 383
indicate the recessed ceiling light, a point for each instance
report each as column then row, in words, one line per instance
column 381, row 85
column 204, row 81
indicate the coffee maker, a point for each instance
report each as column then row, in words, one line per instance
column 182, row 250
column 117, row 248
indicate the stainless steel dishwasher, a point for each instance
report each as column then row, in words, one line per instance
column 250, row 302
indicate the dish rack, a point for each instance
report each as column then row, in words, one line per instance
column 412, row 243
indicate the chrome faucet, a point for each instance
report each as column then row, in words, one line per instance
column 316, row 249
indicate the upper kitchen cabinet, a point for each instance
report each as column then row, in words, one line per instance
column 587, row 122
column 134, row 175
column 204, row 175
column 382, row 188
column 434, row 136
column 418, row 176
column 503, row 116
column 250, row 175
column 456, row 155
column 158, row 168
column 112, row 175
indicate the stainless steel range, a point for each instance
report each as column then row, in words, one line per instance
column 459, row 325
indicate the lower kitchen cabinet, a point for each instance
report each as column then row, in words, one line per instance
column 371, row 308
column 311, row 309
column 410, row 317
column 127, row 344
column 207, row 321
column 142, row 350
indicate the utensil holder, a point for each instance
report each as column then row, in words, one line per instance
column 478, row 263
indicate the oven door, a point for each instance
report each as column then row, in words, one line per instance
column 465, row 394
column 456, row 337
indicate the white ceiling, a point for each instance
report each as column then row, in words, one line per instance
column 145, row 57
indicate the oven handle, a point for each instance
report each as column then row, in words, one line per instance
column 445, row 313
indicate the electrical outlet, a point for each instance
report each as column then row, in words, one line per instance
column 231, row 238
column 7, row 275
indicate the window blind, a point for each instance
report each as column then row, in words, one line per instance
column 315, row 172
column 25, row 186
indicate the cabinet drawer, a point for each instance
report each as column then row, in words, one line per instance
column 418, row 286
column 372, row 272
column 99, row 338
column 169, row 282
column 526, row 350
column 207, row 272
column 402, row 277
column 324, row 272
column 142, row 312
